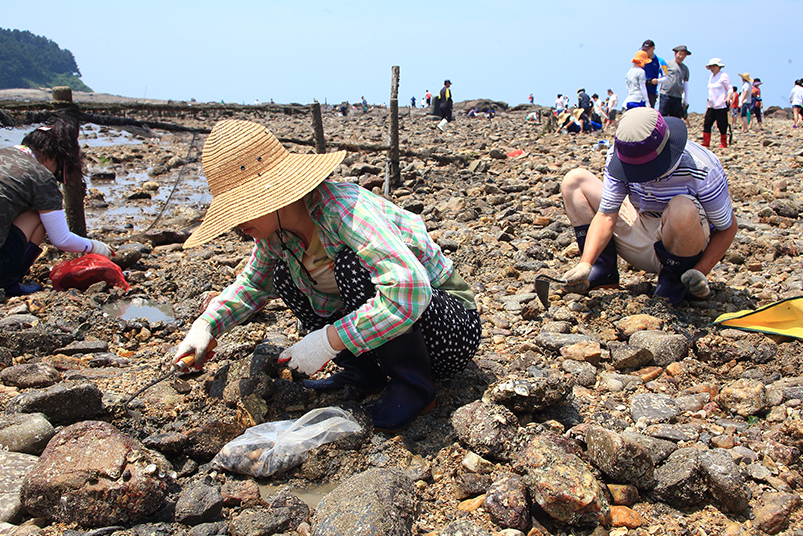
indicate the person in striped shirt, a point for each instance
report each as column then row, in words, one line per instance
column 363, row 275
column 663, row 206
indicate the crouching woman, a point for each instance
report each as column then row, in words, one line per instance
column 363, row 275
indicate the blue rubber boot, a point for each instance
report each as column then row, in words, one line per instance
column 411, row 392
column 361, row 372
column 669, row 284
column 605, row 270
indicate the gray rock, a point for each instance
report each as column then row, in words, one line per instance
column 25, row 432
column 725, row 482
column 674, row 432
column 258, row 522
column 658, row 448
column 528, row 394
column 210, row 529
column 471, row 485
column 27, row 375
column 508, row 504
column 63, row 403
column 653, row 408
column 743, row 397
column 17, row 322
column 84, row 347
column 560, row 482
column 198, row 503
column 378, row 501
column 584, row 373
column 625, row 356
column 680, row 481
column 463, row 527
column 487, row 429
column 37, row 341
column 665, row 347
column 93, row 475
column 14, row 466
column 621, row 459
column 553, row 342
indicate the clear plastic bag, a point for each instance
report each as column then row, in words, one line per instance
column 273, row 447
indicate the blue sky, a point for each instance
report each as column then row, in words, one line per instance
column 300, row 50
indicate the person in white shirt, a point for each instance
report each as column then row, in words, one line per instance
column 719, row 84
column 613, row 104
column 796, row 100
column 746, row 98
column 559, row 107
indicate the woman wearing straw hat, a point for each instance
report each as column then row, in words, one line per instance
column 31, row 202
column 363, row 275
column 746, row 98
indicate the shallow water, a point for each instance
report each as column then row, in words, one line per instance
column 150, row 310
column 312, row 495
column 90, row 135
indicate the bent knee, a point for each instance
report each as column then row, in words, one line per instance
column 575, row 179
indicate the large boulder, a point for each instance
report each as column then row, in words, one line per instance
column 92, row 474
column 378, row 501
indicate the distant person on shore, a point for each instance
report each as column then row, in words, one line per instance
column 568, row 122
column 796, row 100
column 653, row 71
column 675, row 89
column 733, row 100
column 559, row 106
column 490, row 113
column 598, row 114
column 379, row 297
column 613, row 108
column 428, row 97
column 636, row 82
column 364, row 104
column 584, row 101
column 472, row 113
column 719, row 84
column 412, row 102
column 31, row 202
column 746, row 98
column 446, row 105
column 663, row 206
column 757, row 105
column 530, row 98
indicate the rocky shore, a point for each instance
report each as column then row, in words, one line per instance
column 611, row 413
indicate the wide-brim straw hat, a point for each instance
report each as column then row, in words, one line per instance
column 746, row 77
column 251, row 174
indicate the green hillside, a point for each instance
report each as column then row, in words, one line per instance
column 28, row 60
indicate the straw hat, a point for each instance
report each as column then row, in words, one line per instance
column 746, row 77
column 250, row 174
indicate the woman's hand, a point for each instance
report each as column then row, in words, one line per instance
column 100, row 248
column 198, row 342
column 310, row 354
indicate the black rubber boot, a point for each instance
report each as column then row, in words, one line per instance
column 605, row 270
column 361, row 372
column 14, row 287
column 411, row 392
column 669, row 284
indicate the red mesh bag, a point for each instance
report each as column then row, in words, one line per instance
column 82, row 272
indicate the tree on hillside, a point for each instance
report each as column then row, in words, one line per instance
column 28, row 60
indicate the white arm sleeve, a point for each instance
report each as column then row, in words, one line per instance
column 59, row 234
column 644, row 92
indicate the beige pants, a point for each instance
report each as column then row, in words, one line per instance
column 636, row 233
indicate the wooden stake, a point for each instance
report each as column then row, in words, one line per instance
column 317, row 125
column 392, row 169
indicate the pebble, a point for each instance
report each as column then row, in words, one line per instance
column 622, row 516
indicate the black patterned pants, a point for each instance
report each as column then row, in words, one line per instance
column 451, row 332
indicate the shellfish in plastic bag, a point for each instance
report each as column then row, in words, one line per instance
column 272, row 447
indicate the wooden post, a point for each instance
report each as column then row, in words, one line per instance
column 74, row 187
column 392, row 169
column 317, row 125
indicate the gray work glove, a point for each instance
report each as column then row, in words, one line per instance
column 697, row 283
column 577, row 278
column 100, row 248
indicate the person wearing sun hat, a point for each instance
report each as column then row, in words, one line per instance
column 378, row 295
column 636, row 82
column 663, row 206
column 746, row 98
column 719, row 85
column 755, row 110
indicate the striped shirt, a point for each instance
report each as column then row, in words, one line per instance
column 393, row 245
column 698, row 174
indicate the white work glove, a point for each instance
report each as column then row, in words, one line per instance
column 100, row 248
column 196, row 343
column 697, row 283
column 577, row 278
column 310, row 354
